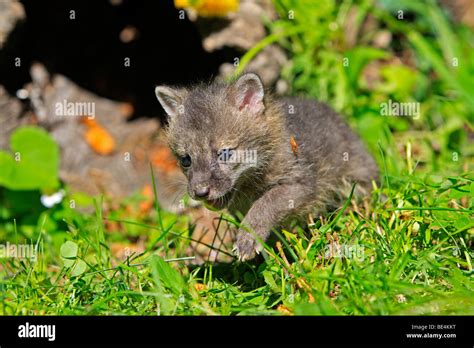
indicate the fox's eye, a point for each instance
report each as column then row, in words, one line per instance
column 185, row 161
column 225, row 155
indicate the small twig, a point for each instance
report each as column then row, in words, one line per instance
column 216, row 233
column 310, row 220
column 181, row 259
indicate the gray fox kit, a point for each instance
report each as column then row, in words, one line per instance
column 272, row 160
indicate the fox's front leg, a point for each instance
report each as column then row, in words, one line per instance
column 266, row 213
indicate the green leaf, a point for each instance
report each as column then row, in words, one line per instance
column 324, row 307
column 170, row 278
column 267, row 275
column 399, row 80
column 79, row 268
column 7, row 164
column 427, row 236
column 68, row 253
column 34, row 162
column 463, row 222
column 358, row 58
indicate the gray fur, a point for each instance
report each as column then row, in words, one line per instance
column 283, row 184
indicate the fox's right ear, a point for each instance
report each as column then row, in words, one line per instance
column 170, row 99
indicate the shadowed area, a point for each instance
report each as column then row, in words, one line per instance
column 116, row 49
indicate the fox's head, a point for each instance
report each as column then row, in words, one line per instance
column 219, row 133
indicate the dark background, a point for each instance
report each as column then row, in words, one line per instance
column 88, row 49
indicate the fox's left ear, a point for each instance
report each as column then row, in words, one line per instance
column 248, row 93
column 170, row 99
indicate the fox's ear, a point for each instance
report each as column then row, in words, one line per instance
column 249, row 92
column 170, row 99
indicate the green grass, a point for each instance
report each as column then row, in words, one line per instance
column 407, row 249
column 407, row 253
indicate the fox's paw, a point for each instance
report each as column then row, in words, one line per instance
column 246, row 247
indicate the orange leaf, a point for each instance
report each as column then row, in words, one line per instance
column 209, row 7
column 89, row 122
column 283, row 309
column 163, row 159
column 294, row 145
column 147, row 191
column 99, row 139
column 145, row 206
column 200, row 286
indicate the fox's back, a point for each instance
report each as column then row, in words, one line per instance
column 323, row 138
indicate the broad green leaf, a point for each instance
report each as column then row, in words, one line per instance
column 170, row 278
column 79, row 268
column 69, row 253
column 267, row 275
column 358, row 58
column 33, row 163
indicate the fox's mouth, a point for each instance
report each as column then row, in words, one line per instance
column 218, row 203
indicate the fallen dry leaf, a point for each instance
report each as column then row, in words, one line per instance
column 283, row 309
column 294, row 145
column 200, row 286
column 98, row 138
column 147, row 191
column 146, row 205
column 209, row 7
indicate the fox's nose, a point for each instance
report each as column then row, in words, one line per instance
column 202, row 191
